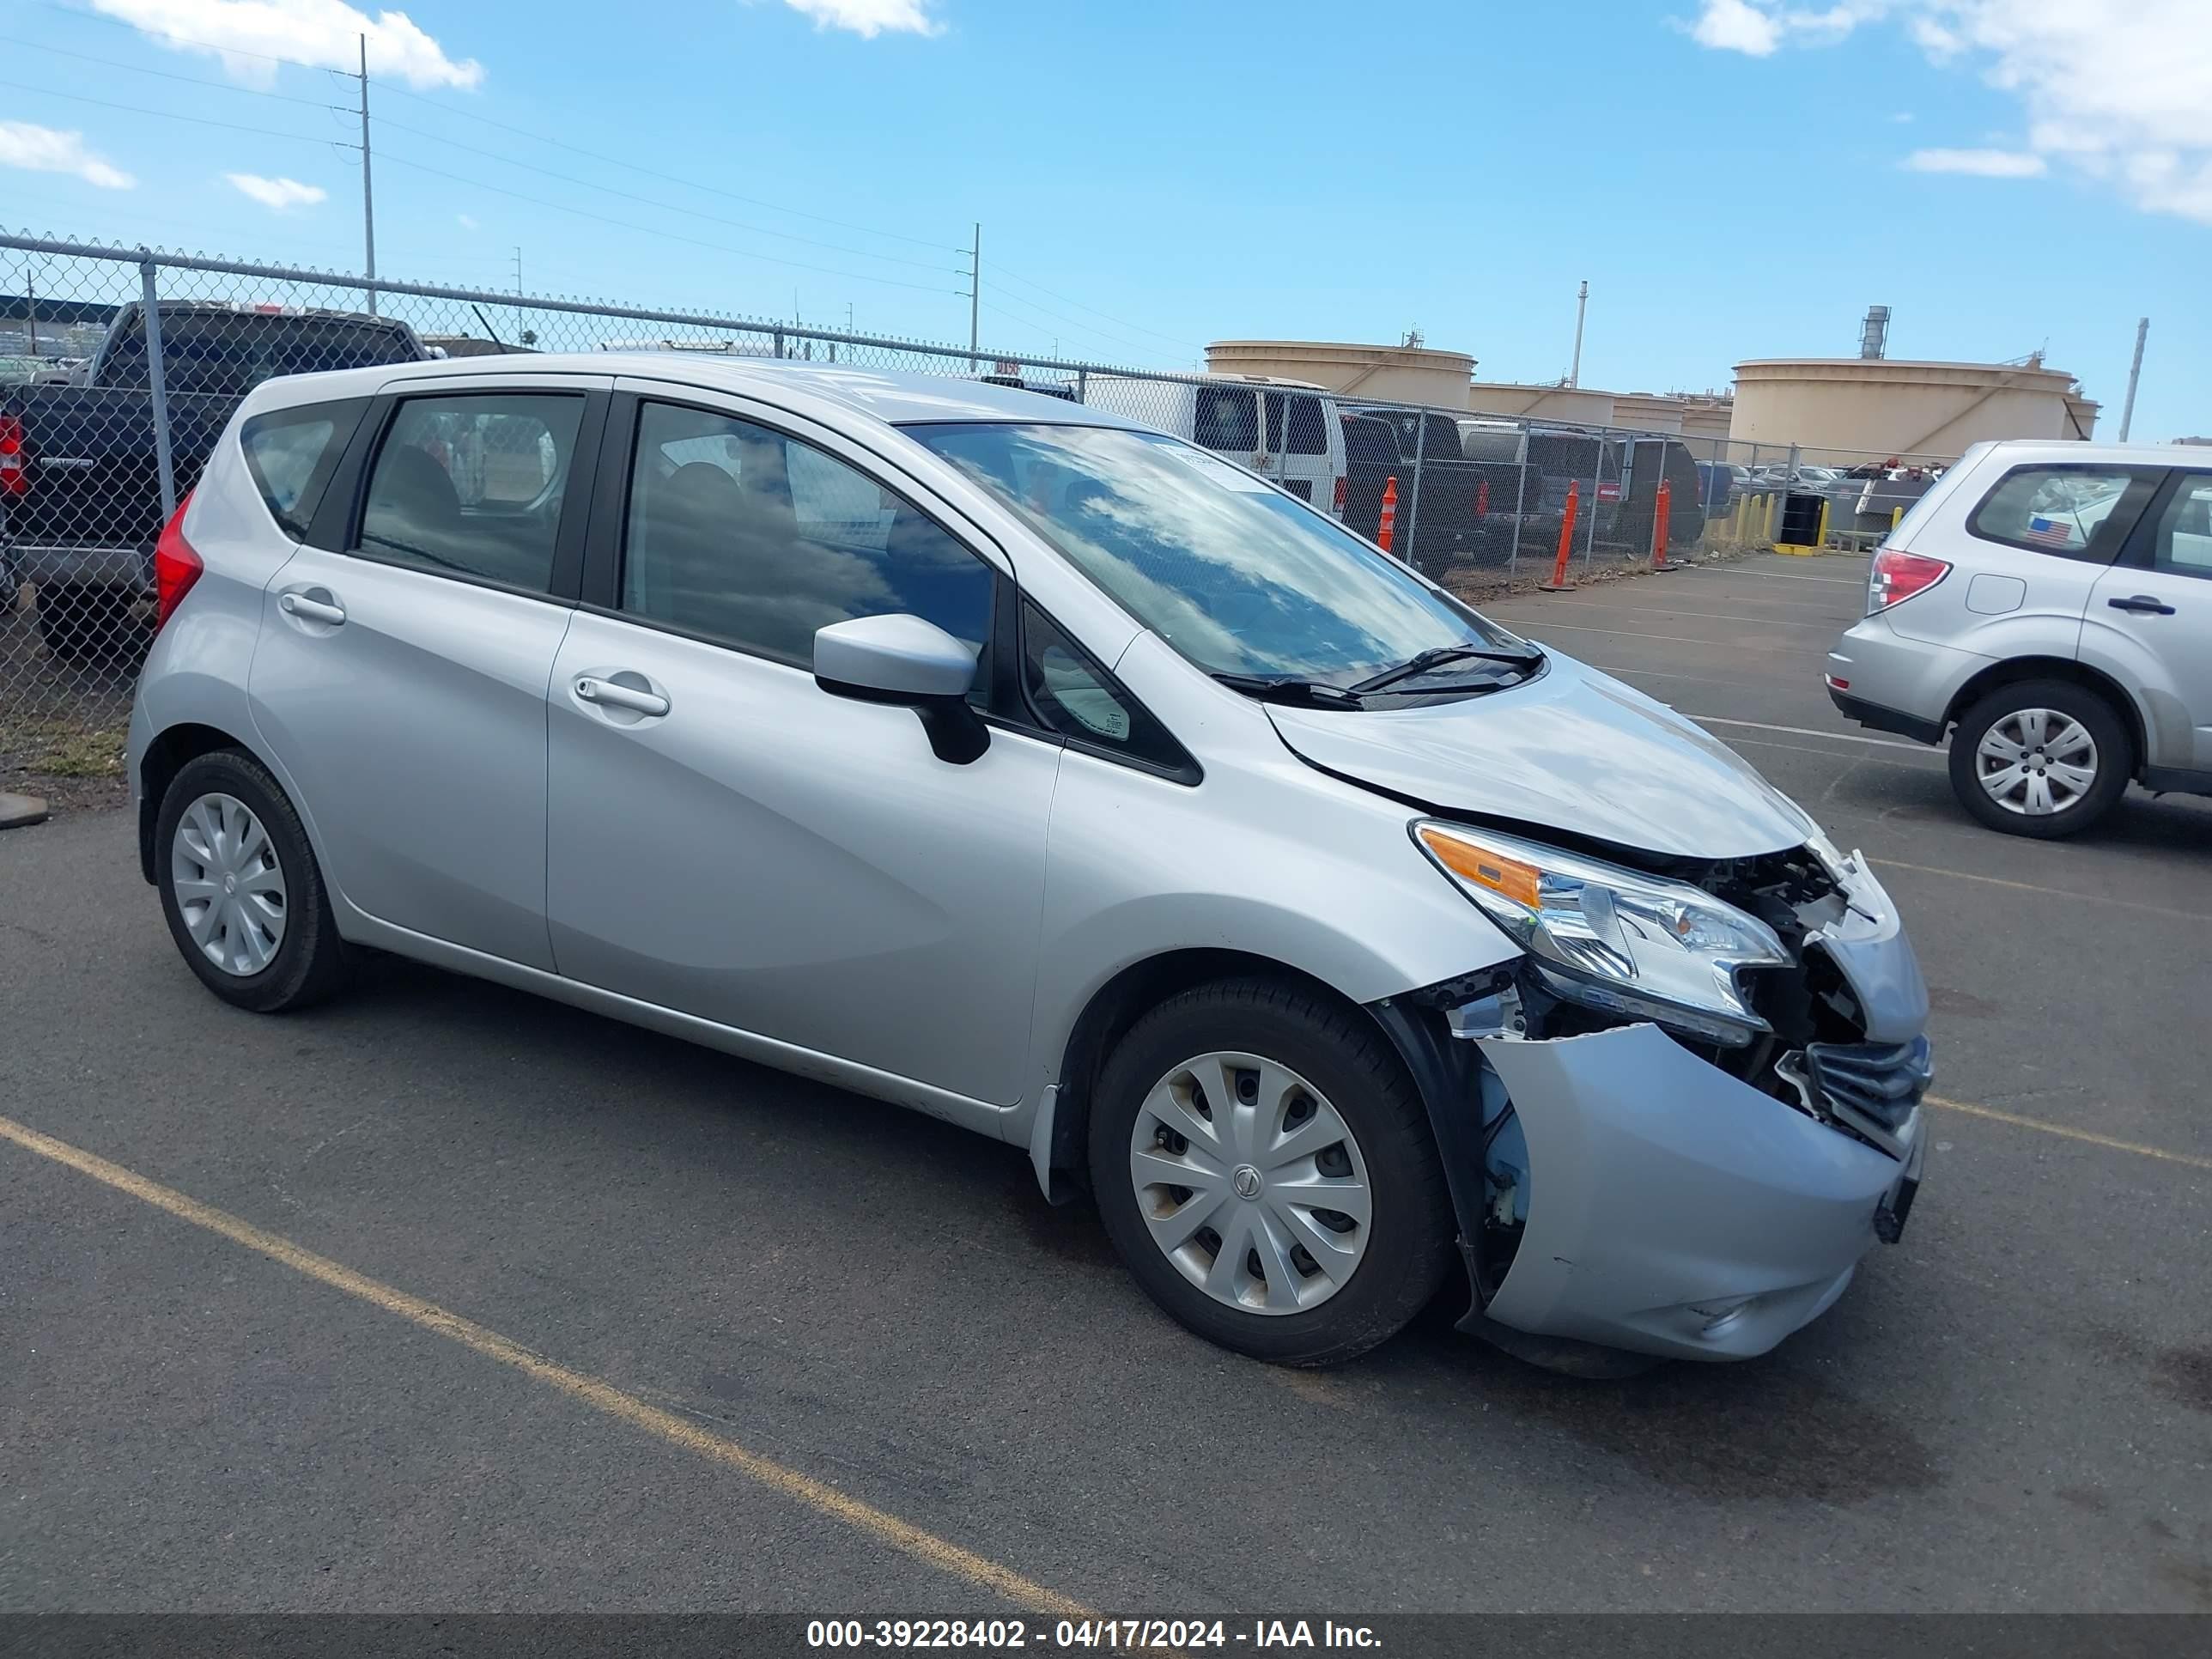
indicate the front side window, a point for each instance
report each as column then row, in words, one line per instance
column 740, row 533
column 1229, row 571
column 2071, row 511
column 1075, row 697
column 2183, row 545
column 472, row 485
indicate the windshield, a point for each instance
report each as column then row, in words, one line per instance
column 1238, row 577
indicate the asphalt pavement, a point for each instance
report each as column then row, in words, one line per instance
column 442, row 1297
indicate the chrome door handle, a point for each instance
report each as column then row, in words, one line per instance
column 2142, row 603
column 613, row 696
column 299, row 605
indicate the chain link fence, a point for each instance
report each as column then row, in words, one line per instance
column 120, row 367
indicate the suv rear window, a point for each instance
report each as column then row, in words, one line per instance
column 290, row 454
column 2073, row 511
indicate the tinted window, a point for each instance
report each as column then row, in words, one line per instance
column 1232, row 573
column 290, row 454
column 2184, row 545
column 472, row 485
column 1227, row 418
column 1077, row 698
column 2068, row 510
column 233, row 351
column 1308, row 434
column 741, row 533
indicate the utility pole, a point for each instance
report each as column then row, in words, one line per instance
column 974, row 292
column 367, row 193
column 2135, row 373
column 518, row 272
column 1582, row 309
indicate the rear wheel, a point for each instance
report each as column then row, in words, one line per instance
column 1265, row 1171
column 2042, row 758
column 240, row 890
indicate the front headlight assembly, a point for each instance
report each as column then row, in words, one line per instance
column 1613, row 938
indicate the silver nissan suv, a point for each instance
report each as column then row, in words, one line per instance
column 2050, row 607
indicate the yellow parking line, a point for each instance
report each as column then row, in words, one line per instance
column 2190, row 1159
column 879, row 1524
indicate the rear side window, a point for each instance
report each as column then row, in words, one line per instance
column 2075, row 511
column 472, row 485
column 1227, row 418
column 1309, row 431
column 290, row 454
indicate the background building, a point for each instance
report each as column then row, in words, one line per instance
column 1853, row 407
column 1399, row 374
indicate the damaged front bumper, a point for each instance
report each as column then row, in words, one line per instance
column 1675, row 1210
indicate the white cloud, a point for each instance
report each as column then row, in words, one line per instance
column 1737, row 26
column 467, row 221
column 278, row 195
column 43, row 150
column 2119, row 89
column 870, row 18
column 1981, row 163
column 243, row 34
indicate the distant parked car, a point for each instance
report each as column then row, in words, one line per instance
column 81, row 519
column 1287, row 432
column 2050, row 607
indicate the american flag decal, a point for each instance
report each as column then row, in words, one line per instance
column 2050, row 532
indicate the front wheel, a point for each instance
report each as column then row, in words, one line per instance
column 2042, row 758
column 1265, row 1171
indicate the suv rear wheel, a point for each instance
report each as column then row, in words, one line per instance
column 1267, row 1171
column 2044, row 758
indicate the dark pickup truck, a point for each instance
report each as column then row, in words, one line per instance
column 81, row 510
column 1463, row 512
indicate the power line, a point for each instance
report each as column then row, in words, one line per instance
column 670, row 207
column 1122, row 322
column 649, row 230
column 168, row 75
column 173, row 115
column 1080, row 327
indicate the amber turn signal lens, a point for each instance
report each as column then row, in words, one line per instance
column 1522, row 883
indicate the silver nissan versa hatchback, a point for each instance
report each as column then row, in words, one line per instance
column 994, row 756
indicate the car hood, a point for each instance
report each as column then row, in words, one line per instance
column 1573, row 750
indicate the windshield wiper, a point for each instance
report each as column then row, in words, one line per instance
column 1437, row 657
column 1269, row 688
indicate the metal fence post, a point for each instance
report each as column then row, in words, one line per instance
column 779, row 343
column 1082, row 385
column 1414, row 505
column 157, row 388
column 1589, row 526
column 1520, row 503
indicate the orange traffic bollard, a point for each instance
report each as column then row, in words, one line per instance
column 1659, row 515
column 1560, row 584
column 1388, row 530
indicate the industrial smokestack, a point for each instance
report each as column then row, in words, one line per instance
column 1873, row 338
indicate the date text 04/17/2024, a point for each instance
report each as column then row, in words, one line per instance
column 1112, row 1635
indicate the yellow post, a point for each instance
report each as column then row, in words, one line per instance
column 1773, row 512
column 1823, row 539
column 1896, row 517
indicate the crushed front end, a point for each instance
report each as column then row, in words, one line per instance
column 1688, row 1137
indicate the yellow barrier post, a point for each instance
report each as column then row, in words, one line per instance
column 1823, row 539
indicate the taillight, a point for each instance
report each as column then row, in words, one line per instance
column 176, row 567
column 1482, row 498
column 1341, row 481
column 14, row 475
column 1608, row 492
column 1898, row 575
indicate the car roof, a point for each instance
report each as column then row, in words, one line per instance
column 2090, row 452
column 897, row 398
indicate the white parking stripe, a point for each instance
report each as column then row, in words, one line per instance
column 1791, row 576
column 1811, row 732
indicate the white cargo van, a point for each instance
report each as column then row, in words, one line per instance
column 1286, row 431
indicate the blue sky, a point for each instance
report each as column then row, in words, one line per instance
column 1734, row 178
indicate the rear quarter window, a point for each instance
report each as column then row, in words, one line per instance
column 290, row 454
column 2073, row 511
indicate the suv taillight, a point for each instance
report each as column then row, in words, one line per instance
column 1342, row 484
column 1898, row 575
column 14, row 475
column 1482, row 498
column 176, row 567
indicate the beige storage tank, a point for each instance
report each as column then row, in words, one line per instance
column 1843, row 409
column 1403, row 374
column 1640, row 411
column 1571, row 405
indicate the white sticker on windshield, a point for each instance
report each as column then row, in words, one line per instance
column 1215, row 468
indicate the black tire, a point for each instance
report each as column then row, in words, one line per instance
column 1409, row 1248
column 311, row 961
column 92, row 624
column 2116, row 757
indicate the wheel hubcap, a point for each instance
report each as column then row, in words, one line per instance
column 229, row 886
column 1251, row 1183
column 2036, row 762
